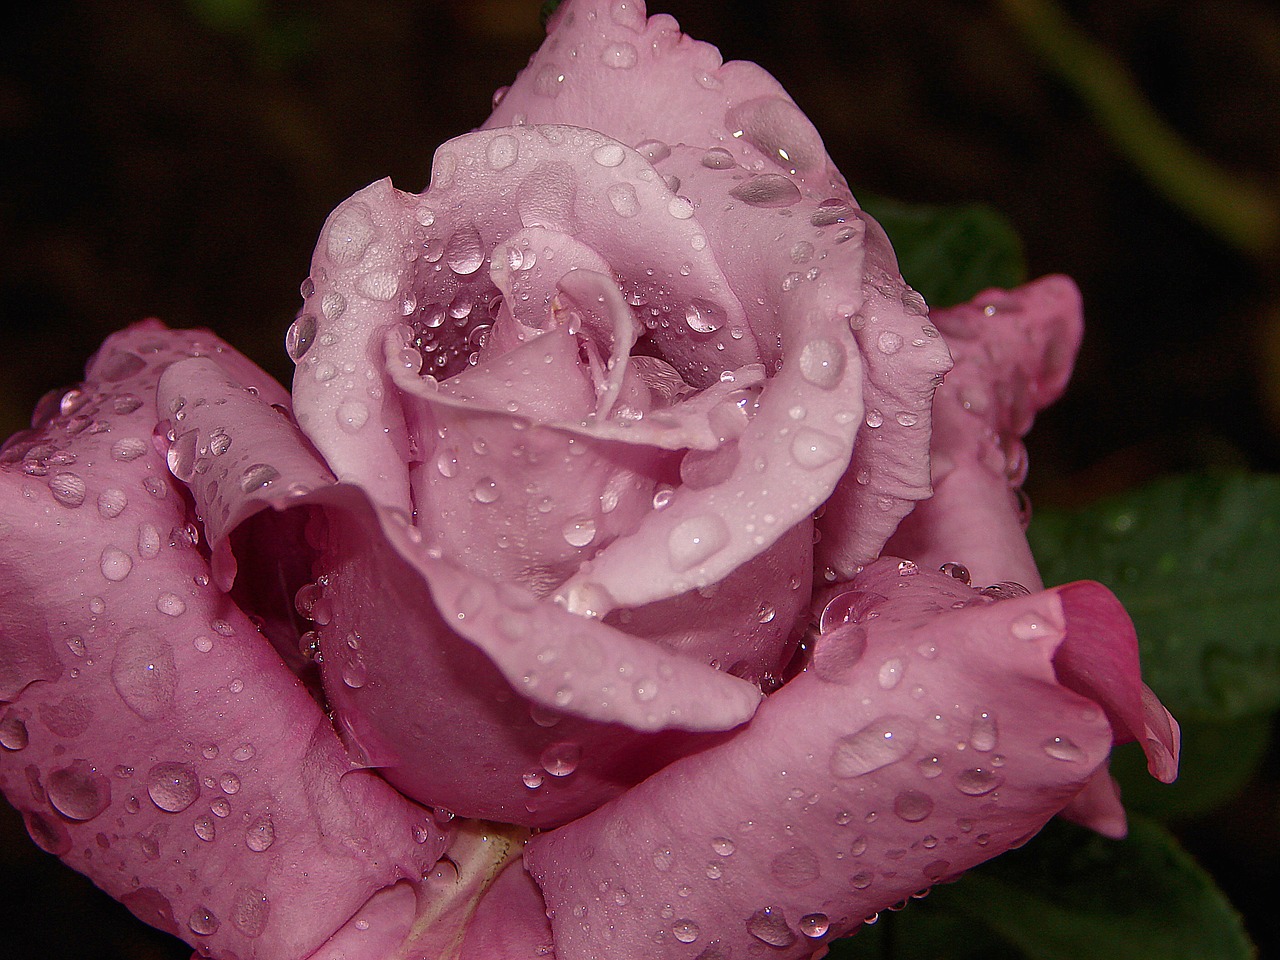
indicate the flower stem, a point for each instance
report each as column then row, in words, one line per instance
column 1234, row 208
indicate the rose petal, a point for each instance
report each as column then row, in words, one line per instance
column 387, row 615
column 1013, row 353
column 948, row 741
column 511, row 921
column 604, row 66
column 170, row 749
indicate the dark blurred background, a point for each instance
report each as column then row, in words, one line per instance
column 177, row 159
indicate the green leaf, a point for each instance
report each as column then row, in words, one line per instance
column 1194, row 560
column 925, row 930
column 1217, row 761
column 950, row 254
column 1071, row 894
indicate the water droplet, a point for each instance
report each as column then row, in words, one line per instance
column 777, row 128
column 1029, row 626
column 260, row 834
column 889, row 342
column 258, row 476
column 619, row 56
column 702, row 316
column 502, row 152
column 957, row 570
column 697, row 539
column 768, row 925
column 680, row 208
column 561, row 759
column 250, row 912
column 930, row 767
column 229, row 783
column 936, row 870
column 891, row 672
column 128, row 448
column 623, row 199
column 78, row 792
column 767, row 190
column 822, row 363
column 609, row 154
column 686, row 931
column 111, row 503
column 245, row 751
column 171, row 605
column 352, row 415
column 718, row 158
column 532, row 780
column 983, row 733
column 351, row 232
column 549, row 81
column 144, row 674
column 723, row 846
column 812, row 449
column 765, row 612
column 115, row 564
column 883, row 741
column 67, row 489
column 181, row 457
column 205, row 829
column 977, row 781
column 486, row 490
column 655, row 151
column 300, row 336
column 13, row 734
column 202, row 922
column 333, row 305
column 579, row 531
column 913, row 806
column 219, row 443
column 464, row 251
column 814, row 925
column 1060, row 748
column 173, row 786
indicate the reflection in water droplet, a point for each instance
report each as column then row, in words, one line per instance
column 78, row 792
column 814, row 925
column 686, row 931
column 977, row 781
column 913, row 806
column 579, row 531
column 1060, row 748
column 561, row 759
column 260, row 834
column 822, row 363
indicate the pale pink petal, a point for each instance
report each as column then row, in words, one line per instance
column 1013, row 353
column 928, row 740
column 159, row 745
column 605, row 67
column 1098, row 806
column 520, row 710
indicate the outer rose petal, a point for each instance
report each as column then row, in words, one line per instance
column 164, row 750
column 1013, row 352
column 392, row 615
column 851, row 789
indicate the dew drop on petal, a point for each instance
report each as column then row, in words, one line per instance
column 260, row 834
column 561, row 759
column 173, row 786
column 878, row 744
column 768, row 925
column 977, row 781
column 1060, row 748
column 78, row 792
column 822, row 363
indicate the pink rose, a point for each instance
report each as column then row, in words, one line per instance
column 534, row 543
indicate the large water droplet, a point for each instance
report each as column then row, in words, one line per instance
column 181, row 457
column 171, row 605
column 812, row 449
column 173, row 786
column 260, row 834
column 723, row 846
column 703, row 316
column 128, row 448
column 115, row 564
column 202, row 922
column 768, row 925
column 913, row 805
column 67, row 489
column 258, row 476
column 13, row 733
column 697, row 539
column 502, row 152
column 561, row 759
column 464, row 251
column 144, row 674
column 300, row 336
column 351, row 231
column 352, row 415
column 977, row 781
column 609, row 154
column 111, row 503
column 486, row 490
column 822, row 363
column 884, row 741
column 78, row 792
column 686, row 931
column 890, row 674
column 983, row 733
column 251, row 911
column 767, row 190
column 1060, row 748
column 814, row 925
column 579, row 531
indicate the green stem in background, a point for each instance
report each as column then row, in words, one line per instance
column 1238, row 211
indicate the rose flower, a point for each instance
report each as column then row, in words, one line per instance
column 554, row 611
